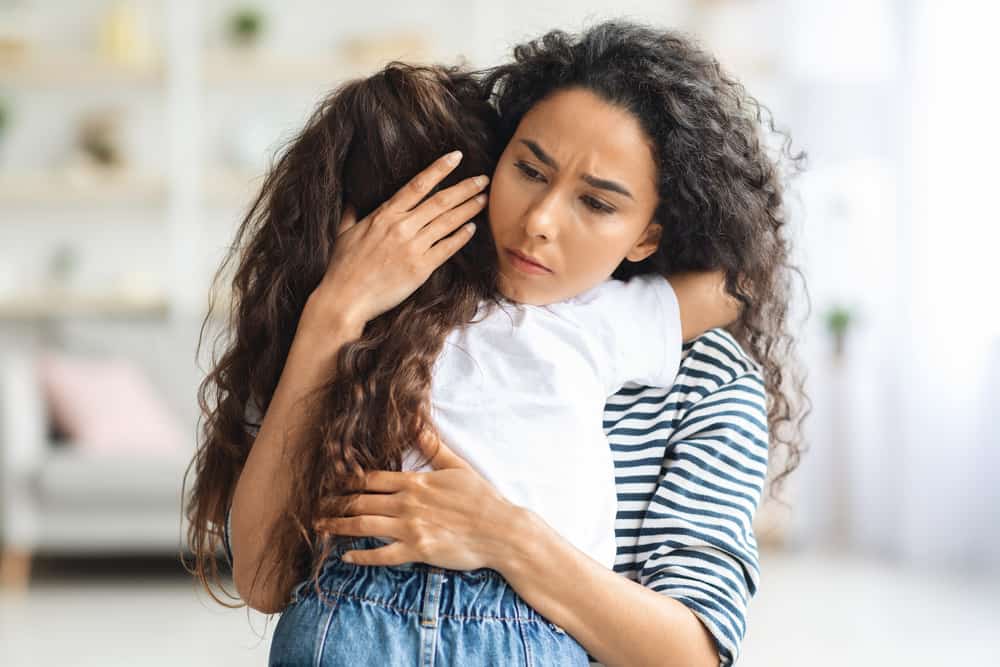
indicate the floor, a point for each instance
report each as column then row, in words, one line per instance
column 812, row 609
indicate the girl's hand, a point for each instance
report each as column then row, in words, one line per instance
column 451, row 517
column 381, row 259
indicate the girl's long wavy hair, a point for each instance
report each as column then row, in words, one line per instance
column 362, row 143
column 721, row 187
column 721, row 207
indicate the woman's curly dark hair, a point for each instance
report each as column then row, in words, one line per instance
column 721, row 190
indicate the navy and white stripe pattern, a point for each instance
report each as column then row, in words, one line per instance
column 690, row 466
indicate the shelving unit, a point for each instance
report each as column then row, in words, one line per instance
column 66, row 68
column 75, row 187
column 192, row 185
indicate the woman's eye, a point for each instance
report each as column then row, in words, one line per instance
column 529, row 172
column 597, row 205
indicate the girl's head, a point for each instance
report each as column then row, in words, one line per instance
column 363, row 142
column 630, row 150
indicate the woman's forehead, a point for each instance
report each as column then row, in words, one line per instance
column 582, row 132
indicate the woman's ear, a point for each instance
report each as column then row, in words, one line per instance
column 647, row 243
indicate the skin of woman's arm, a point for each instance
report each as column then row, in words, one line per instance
column 618, row 621
column 704, row 302
column 310, row 362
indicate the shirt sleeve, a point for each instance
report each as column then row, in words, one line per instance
column 641, row 329
column 704, row 506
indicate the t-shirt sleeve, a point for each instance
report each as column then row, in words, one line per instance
column 642, row 325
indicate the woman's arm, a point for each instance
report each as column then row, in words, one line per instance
column 693, row 543
column 617, row 620
column 703, row 301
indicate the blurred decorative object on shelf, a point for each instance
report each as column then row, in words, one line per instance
column 4, row 118
column 16, row 27
column 99, row 139
column 124, row 36
column 838, row 321
column 4, row 115
column 375, row 51
column 245, row 27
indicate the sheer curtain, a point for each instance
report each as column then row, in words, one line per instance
column 904, row 229
column 950, row 508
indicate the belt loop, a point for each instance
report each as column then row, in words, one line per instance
column 432, row 598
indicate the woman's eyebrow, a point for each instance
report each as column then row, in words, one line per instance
column 602, row 183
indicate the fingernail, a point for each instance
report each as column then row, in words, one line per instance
column 347, row 558
column 454, row 157
column 480, row 198
column 471, row 227
column 482, row 180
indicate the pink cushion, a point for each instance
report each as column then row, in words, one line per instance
column 107, row 405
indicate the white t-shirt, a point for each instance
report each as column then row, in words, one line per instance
column 520, row 395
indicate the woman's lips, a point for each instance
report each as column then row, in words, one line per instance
column 523, row 264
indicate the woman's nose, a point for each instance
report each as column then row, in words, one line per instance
column 540, row 221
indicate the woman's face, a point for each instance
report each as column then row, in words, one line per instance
column 575, row 191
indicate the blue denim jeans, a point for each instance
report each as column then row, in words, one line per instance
column 414, row 614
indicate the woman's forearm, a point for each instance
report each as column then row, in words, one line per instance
column 618, row 621
column 263, row 488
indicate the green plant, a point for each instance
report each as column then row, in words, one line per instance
column 246, row 25
column 4, row 115
column 838, row 321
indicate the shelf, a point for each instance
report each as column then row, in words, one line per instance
column 71, row 186
column 42, row 306
column 75, row 69
column 236, row 68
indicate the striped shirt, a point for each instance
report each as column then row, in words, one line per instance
column 690, row 467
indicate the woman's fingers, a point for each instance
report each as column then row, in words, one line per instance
column 396, row 553
column 446, row 247
column 420, row 185
column 446, row 200
column 447, row 223
column 359, row 526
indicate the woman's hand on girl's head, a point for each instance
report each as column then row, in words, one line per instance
column 451, row 517
column 381, row 259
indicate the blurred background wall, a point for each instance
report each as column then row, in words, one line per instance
column 133, row 135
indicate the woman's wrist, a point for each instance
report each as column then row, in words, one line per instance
column 524, row 532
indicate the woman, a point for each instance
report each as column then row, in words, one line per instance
column 721, row 208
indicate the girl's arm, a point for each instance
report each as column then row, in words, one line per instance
column 262, row 490
column 703, row 301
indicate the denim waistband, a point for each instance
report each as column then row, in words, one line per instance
column 420, row 588
column 364, row 543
